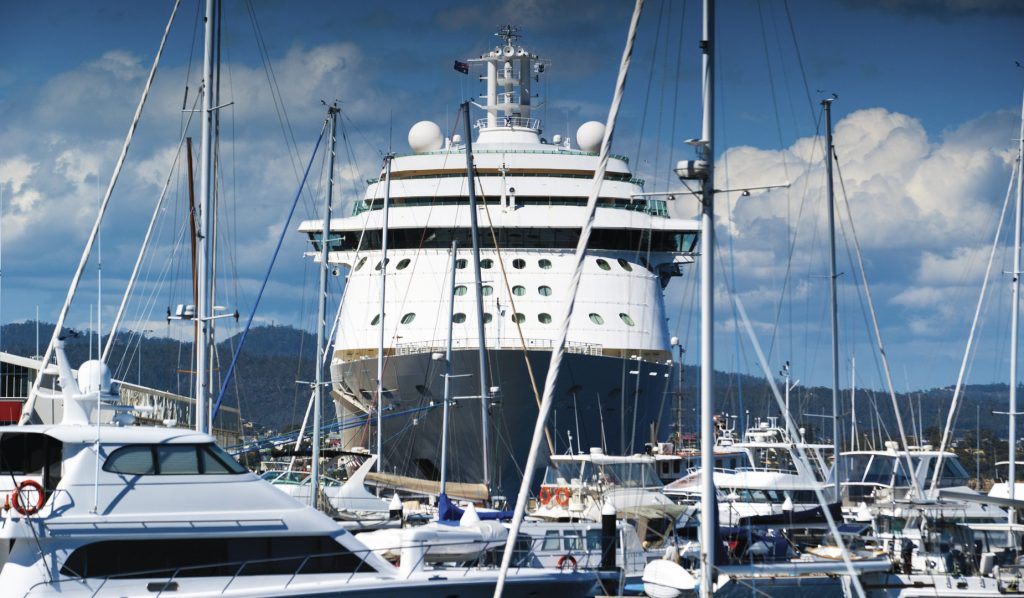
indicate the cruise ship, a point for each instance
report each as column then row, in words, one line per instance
column 532, row 188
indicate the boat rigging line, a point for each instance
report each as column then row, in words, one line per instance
column 28, row 413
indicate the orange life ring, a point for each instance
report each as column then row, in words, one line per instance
column 545, row 495
column 28, row 509
column 562, row 497
column 567, row 560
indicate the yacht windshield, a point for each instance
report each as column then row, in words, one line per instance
column 629, row 475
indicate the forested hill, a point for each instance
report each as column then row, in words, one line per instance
column 276, row 357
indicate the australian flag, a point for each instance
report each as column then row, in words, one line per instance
column 462, row 67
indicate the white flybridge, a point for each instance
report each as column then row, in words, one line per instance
column 532, row 191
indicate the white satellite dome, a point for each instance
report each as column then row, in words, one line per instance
column 589, row 136
column 425, row 136
column 94, row 375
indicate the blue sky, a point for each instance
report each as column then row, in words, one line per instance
column 926, row 120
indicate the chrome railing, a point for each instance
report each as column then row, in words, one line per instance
column 532, row 344
column 511, row 121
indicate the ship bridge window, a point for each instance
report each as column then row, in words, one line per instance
column 459, row 318
column 172, row 459
column 361, row 263
column 375, row 320
column 544, row 264
column 487, row 264
column 408, row 318
column 518, row 290
column 610, row 239
column 544, row 290
column 625, row 265
column 204, row 557
column 487, row 318
column 603, row 264
column 628, row 320
column 461, row 290
column 382, row 264
column 518, row 264
column 32, row 454
column 518, row 318
column 487, row 290
column 597, row 319
column 544, row 318
column 460, row 264
column 402, row 265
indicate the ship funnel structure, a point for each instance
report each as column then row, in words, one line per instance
column 511, row 71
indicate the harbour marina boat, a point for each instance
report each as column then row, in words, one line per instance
column 532, row 187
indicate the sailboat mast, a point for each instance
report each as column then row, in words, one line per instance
column 827, row 103
column 448, row 372
column 383, row 295
column 482, row 351
column 1015, row 317
column 321, row 313
column 204, row 249
column 708, row 504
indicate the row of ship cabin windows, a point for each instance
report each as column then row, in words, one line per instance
column 488, row 263
column 460, row 318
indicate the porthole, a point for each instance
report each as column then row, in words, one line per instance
column 544, row 290
column 460, row 264
column 382, row 263
column 459, row 318
column 487, row 264
column 628, row 320
column 544, row 264
column 488, row 318
column 597, row 319
column 375, row 320
column 461, row 290
column 361, row 263
column 487, row 290
column 603, row 265
column 518, row 318
column 518, row 264
column 403, row 264
column 518, row 290
column 544, row 318
column 408, row 318
column 625, row 265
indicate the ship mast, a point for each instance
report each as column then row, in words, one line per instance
column 827, row 103
column 1015, row 321
column 382, row 315
column 204, row 253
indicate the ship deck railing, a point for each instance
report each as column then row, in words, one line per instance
column 532, row 344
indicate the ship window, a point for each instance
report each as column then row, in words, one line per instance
column 487, row 290
column 597, row 319
column 458, row 318
column 209, row 557
column 361, row 263
column 551, row 540
column 628, row 320
column 381, row 264
column 487, row 264
column 518, row 264
column 518, row 318
column 603, row 265
column 625, row 265
column 375, row 320
column 402, row 264
column 488, row 318
column 544, row 290
column 544, row 264
column 544, row 318
column 408, row 318
column 460, row 290
column 171, row 459
column 518, row 290
column 460, row 264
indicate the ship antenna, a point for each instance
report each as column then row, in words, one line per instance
column 508, row 33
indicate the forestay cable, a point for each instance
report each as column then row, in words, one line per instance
column 29, row 408
column 574, row 283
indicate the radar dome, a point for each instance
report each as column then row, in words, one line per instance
column 425, row 136
column 589, row 136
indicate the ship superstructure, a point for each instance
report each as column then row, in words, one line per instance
column 532, row 192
